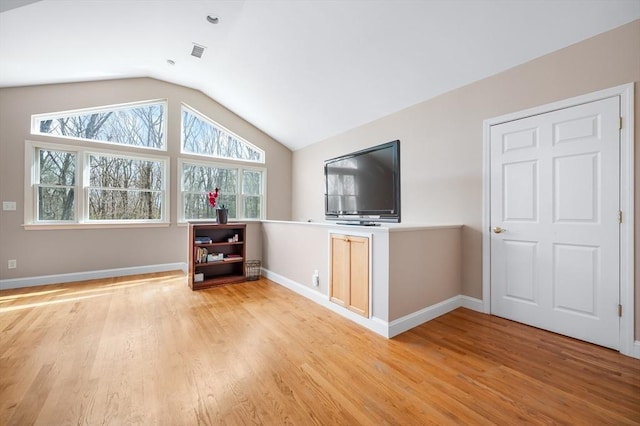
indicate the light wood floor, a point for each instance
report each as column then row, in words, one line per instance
column 150, row 351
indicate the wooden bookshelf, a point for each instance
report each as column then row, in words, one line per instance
column 230, row 268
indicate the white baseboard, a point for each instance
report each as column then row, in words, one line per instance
column 472, row 303
column 374, row 324
column 89, row 275
column 295, row 286
column 414, row 319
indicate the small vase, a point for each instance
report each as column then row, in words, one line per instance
column 222, row 215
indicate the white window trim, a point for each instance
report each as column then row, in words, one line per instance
column 195, row 112
column 36, row 118
column 239, row 166
column 81, row 208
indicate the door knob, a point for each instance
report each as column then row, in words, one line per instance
column 498, row 230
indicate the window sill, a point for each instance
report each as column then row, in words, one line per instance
column 53, row 226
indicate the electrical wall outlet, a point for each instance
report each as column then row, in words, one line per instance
column 316, row 278
column 8, row 205
column 12, row 264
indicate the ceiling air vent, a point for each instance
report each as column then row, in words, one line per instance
column 197, row 50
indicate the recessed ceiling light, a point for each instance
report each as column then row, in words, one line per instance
column 212, row 19
column 171, row 62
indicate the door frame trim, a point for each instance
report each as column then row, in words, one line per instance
column 627, row 254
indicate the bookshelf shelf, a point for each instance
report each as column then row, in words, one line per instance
column 205, row 273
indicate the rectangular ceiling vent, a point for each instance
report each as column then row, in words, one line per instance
column 197, row 50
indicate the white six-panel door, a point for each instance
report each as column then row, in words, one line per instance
column 554, row 218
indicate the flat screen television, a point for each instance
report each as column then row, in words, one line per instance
column 363, row 187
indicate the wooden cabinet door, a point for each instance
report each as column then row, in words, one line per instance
column 340, row 270
column 350, row 273
column 359, row 275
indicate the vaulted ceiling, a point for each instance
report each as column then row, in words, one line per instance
column 301, row 70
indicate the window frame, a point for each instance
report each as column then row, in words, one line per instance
column 36, row 118
column 236, row 165
column 82, row 187
column 190, row 109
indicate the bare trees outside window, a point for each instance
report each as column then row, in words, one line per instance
column 198, row 181
column 77, row 184
column 252, row 193
column 85, row 182
column 203, row 136
column 137, row 125
column 124, row 188
column 241, row 191
column 241, row 188
column 56, row 186
column 118, row 188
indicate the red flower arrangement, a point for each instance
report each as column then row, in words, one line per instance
column 213, row 196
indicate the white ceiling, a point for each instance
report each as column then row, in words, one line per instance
column 301, row 70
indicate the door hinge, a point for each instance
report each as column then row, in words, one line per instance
column 619, row 216
column 620, row 123
column 620, row 310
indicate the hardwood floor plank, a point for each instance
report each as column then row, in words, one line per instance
column 147, row 350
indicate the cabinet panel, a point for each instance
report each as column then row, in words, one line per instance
column 339, row 288
column 359, row 275
column 349, row 285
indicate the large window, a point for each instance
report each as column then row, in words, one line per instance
column 252, row 199
column 241, row 190
column 122, row 188
column 140, row 125
column 203, row 136
column 71, row 185
column 55, row 185
column 85, row 182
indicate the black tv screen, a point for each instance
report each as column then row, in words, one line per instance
column 364, row 186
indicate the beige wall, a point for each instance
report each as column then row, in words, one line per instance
column 295, row 251
column 411, row 268
column 424, row 269
column 67, row 251
column 441, row 139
